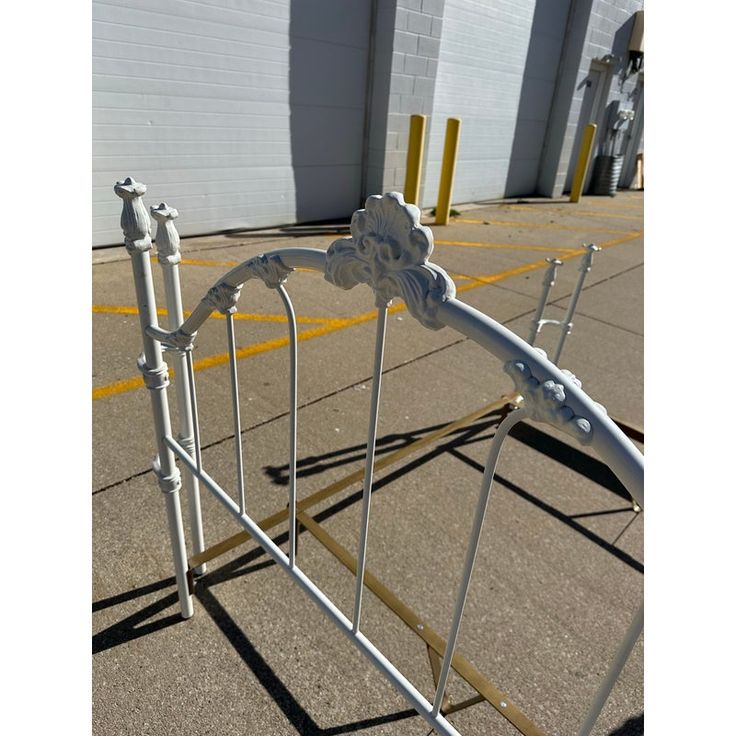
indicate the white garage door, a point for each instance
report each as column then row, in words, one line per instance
column 497, row 69
column 240, row 113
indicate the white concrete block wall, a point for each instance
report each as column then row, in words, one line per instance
column 213, row 105
column 404, row 84
column 254, row 113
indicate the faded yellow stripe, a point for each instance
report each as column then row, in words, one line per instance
column 549, row 226
column 118, row 387
column 214, row 360
column 206, row 262
column 573, row 212
column 493, row 278
column 247, row 317
column 340, row 324
column 503, row 246
column 616, row 206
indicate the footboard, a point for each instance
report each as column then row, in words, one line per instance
column 388, row 251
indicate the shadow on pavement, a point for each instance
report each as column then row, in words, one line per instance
column 633, row 727
column 139, row 624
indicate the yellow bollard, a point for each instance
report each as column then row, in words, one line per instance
column 586, row 148
column 447, row 176
column 414, row 156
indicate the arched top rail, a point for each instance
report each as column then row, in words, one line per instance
column 389, row 251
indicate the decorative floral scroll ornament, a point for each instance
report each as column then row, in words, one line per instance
column 389, row 250
column 269, row 269
column 167, row 237
column 223, row 297
column 545, row 401
column 134, row 221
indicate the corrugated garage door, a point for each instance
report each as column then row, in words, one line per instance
column 240, row 113
column 497, row 69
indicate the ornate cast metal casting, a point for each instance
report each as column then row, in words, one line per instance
column 389, row 250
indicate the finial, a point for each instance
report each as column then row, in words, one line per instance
column 551, row 273
column 134, row 221
column 587, row 259
column 167, row 237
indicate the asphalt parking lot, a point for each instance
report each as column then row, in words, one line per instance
column 560, row 569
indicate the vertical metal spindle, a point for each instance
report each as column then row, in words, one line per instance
column 292, row 421
column 472, row 550
column 235, row 395
column 619, row 660
column 169, row 257
column 369, row 462
column 566, row 325
column 136, row 226
column 549, row 281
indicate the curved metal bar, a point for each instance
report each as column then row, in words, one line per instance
column 480, row 514
column 609, row 441
column 272, row 268
column 289, row 307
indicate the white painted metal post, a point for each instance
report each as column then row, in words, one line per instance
column 292, row 421
column 195, row 414
column 472, row 550
column 235, row 396
column 549, row 281
column 566, row 325
column 619, row 660
column 169, row 257
column 136, row 227
column 369, row 462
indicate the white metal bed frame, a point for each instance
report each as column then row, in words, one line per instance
column 388, row 250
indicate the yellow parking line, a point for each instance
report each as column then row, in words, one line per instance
column 495, row 277
column 550, row 226
column 503, row 246
column 572, row 212
column 208, row 262
column 112, row 309
column 129, row 384
column 616, row 206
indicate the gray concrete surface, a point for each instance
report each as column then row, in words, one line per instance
column 560, row 569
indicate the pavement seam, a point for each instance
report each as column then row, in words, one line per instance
column 598, row 283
